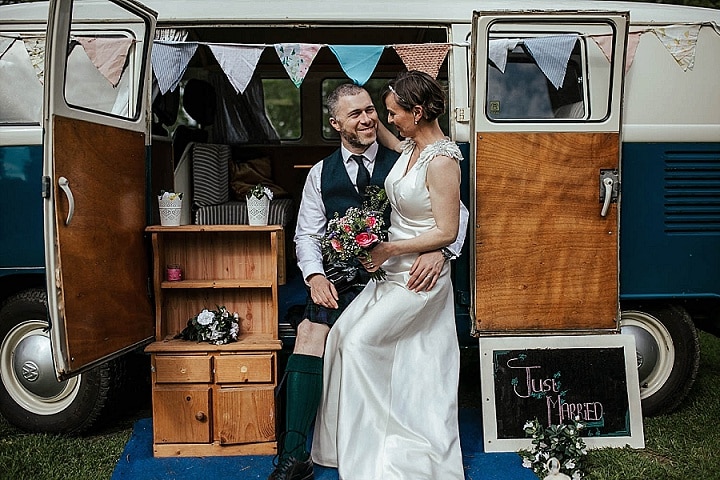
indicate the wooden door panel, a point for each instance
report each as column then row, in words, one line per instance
column 102, row 255
column 545, row 258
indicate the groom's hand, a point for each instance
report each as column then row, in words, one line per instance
column 322, row 291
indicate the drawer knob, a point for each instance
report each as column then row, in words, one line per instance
column 200, row 416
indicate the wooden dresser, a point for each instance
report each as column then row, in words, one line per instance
column 215, row 399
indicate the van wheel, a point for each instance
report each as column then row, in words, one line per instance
column 31, row 397
column 668, row 354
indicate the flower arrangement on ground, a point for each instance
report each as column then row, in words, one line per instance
column 353, row 235
column 562, row 442
column 214, row 326
column 259, row 191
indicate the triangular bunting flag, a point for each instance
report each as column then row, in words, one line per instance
column 238, row 63
column 552, row 54
column 297, row 58
column 36, row 49
column 680, row 41
column 426, row 57
column 605, row 44
column 5, row 44
column 498, row 51
column 169, row 61
column 358, row 61
column 108, row 55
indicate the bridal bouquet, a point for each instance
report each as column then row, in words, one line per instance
column 353, row 235
column 214, row 326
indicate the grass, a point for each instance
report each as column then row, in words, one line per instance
column 681, row 445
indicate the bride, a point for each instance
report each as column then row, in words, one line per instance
column 389, row 404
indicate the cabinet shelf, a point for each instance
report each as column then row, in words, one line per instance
column 217, row 284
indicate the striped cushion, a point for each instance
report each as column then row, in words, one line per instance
column 235, row 213
column 210, row 174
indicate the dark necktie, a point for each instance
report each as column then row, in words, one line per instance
column 363, row 176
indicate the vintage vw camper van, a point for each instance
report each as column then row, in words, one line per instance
column 590, row 129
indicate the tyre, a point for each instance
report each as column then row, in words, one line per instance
column 668, row 354
column 31, row 397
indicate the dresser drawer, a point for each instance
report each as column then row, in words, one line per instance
column 250, row 368
column 182, row 369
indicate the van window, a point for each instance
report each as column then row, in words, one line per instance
column 282, row 106
column 523, row 92
column 21, row 90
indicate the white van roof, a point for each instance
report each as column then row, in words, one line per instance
column 373, row 11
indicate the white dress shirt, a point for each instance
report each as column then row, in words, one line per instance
column 312, row 220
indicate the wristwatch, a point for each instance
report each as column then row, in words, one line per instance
column 447, row 254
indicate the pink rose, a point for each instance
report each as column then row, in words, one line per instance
column 336, row 245
column 365, row 239
column 371, row 221
column 347, row 228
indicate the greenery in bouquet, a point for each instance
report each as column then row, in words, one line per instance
column 353, row 235
column 562, row 442
column 214, row 326
column 259, row 191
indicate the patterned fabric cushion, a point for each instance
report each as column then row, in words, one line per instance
column 210, row 174
column 235, row 213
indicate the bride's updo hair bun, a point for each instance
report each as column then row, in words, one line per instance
column 417, row 88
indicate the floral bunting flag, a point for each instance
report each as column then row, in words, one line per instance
column 680, row 41
column 5, row 44
column 108, row 55
column 169, row 61
column 238, row 62
column 498, row 51
column 605, row 44
column 297, row 58
column 35, row 47
column 551, row 54
column 426, row 57
column 358, row 61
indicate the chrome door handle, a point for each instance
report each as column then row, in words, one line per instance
column 608, row 184
column 65, row 187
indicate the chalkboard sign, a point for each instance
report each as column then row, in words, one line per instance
column 556, row 379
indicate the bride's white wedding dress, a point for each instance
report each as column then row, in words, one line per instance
column 389, row 405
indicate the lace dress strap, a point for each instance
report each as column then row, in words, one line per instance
column 444, row 147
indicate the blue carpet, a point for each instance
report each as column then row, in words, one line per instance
column 137, row 462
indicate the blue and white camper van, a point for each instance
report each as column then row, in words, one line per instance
column 590, row 129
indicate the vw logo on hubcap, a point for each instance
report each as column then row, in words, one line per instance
column 30, row 371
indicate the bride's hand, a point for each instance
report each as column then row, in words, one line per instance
column 376, row 257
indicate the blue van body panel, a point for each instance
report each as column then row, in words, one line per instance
column 670, row 221
column 21, row 218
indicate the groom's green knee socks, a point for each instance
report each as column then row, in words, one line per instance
column 304, row 389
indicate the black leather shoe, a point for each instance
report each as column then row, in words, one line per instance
column 293, row 469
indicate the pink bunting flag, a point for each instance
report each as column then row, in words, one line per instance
column 426, row 57
column 296, row 58
column 108, row 55
column 605, row 44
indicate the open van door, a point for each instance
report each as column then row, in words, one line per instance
column 95, row 202
column 547, row 117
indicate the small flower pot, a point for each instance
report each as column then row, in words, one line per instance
column 258, row 210
column 170, row 211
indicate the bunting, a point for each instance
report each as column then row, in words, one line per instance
column 498, row 50
column 551, row 54
column 35, row 47
column 680, row 41
column 426, row 57
column 108, row 55
column 605, row 44
column 238, row 62
column 296, row 58
column 169, row 61
column 358, row 61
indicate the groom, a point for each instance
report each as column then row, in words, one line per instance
column 335, row 184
